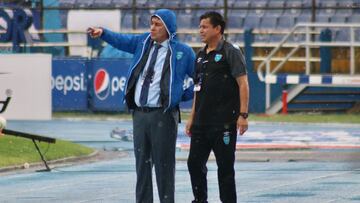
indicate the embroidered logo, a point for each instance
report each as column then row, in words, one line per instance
column 218, row 57
column 179, row 55
column 226, row 138
column 199, row 59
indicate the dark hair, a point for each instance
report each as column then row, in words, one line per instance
column 215, row 19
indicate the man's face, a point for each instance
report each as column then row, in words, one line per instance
column 207, row 31
column 157, row 30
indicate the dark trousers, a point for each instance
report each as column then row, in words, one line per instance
column 202, row 142
column 154, row 144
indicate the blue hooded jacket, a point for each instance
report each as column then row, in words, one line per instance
column 182, row 57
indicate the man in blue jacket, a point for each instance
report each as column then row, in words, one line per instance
column 154, row 90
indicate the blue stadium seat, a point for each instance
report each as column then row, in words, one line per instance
column 67, row 3
column 308, row 3
column 268, row 22
column 329, row 4
column 354, row 19
column 338, row 19
column 259, row 6
column 144, row 20
column 173, row 3
column 236, row 18
column 342, row 35
column 220, row 3
column 325, row 12
column 286, row 22
column 276, row 37
column 235, row 38
column 275, row 8
column 231, row 3
column 259, row 3
column 140, row 3
column 345, row 3
column 102, row 3
column 327, row 8
column 187, row 38
column 185, row 21
column 296, row 38
column 357, row 35
column 344, row 12
column 322, row 19
column 190, row 3
column 293, row 7
column 121, row 3
column 155, row 3
column 252, row 21
column 262, row 38
column 126, row 20
column 208, row 3
column 235, row 21
column 303, row 18
column 84, row 3
column 241, row 4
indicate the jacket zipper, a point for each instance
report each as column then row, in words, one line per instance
column 132, row 69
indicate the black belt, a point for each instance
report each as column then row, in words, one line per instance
column 148, row 109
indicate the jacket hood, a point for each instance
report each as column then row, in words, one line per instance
column 168, row 17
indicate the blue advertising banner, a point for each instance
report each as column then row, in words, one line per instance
column 108, row 84
column 69, row 85
column 99, row 85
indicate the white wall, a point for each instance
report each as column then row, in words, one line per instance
column 80, row 20
column 28, row 77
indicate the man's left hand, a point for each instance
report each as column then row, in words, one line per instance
column 242, row 125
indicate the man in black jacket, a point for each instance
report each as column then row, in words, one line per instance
column 220, row 109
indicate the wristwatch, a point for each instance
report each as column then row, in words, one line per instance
column 244, row 115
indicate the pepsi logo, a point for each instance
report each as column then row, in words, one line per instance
column 102, row 84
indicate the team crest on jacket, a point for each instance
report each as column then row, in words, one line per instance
column 179, row 55
column 218, row 57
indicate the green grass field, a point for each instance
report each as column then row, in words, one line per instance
column 304, row 118
column 14, row 150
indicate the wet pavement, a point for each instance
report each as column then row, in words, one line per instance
column 261, row 176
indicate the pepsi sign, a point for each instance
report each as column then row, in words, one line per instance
column 102, row 84
column 69, row 84
column 108, row 84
